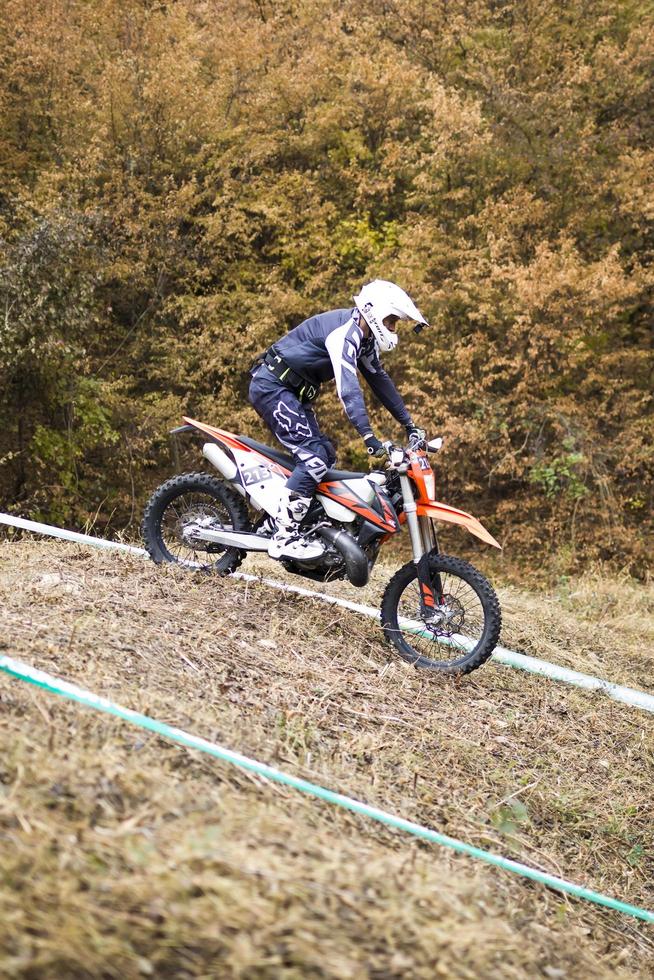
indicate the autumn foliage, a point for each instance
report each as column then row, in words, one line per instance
column 182, row 181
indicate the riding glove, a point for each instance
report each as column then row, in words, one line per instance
column 415, row 435
column 374, row 446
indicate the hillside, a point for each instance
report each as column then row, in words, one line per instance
column 171, row 205
column 130, row 857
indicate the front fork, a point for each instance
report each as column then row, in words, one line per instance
column 423, row 541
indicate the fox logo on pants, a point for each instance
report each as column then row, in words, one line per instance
column 316, row 466
column 284, row 416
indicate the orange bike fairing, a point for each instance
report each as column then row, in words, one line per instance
column 389, row 516
column 338, row 491
column 418, row 477
column 229, row 439
column 443, row 512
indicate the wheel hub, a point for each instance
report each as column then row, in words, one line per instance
column 188, row 526
column 448, row 617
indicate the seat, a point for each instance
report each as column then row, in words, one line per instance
column 285, row 460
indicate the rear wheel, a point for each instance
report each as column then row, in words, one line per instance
column 461, row 632
column 187, row 500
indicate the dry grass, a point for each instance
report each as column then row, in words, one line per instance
column 601, row 623
column 126, row 857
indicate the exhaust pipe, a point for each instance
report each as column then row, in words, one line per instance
column 220, row 460
column 356, row 563
column 228, row 468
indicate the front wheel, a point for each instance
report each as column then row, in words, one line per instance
column 459, row 634
column 187, row 500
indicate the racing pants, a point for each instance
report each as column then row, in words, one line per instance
column 294, row 424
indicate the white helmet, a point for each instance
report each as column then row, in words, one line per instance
column 379, row 299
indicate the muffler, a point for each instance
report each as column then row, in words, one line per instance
column 356, row 563
column 225, row 466
column 220, row 460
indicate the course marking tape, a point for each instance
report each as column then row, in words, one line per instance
column 72, row 692
column 508, row 658
column 60, row 532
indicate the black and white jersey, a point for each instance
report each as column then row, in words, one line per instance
column 331, row 345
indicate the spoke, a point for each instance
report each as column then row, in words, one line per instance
column 185, row 509
column 428, row 642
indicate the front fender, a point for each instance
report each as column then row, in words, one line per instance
column 443, row 512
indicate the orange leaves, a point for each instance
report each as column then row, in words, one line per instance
column 243, row 165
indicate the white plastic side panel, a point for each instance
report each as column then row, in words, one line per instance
column 337, row 511
column 263, row 480
column 362, row 488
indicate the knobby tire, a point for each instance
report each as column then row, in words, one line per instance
column 456, row 568
column 178, row 486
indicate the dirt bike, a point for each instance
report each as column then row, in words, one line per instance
column 438, row 611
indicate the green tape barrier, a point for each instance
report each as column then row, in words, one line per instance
column 67, row 690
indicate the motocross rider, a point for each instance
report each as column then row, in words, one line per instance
column 287, row 378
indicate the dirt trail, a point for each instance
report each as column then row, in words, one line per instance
column 131, row 857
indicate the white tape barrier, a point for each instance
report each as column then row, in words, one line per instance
column 509, row 658
column 59, row 532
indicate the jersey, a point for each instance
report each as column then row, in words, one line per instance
column 332, row 345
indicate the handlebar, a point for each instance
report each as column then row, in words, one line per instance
column 397, row 455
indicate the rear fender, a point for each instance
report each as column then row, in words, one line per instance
column 248, row 456
column 443, row 512
column 227, row 438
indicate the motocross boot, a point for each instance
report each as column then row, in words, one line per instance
column 287, row 541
